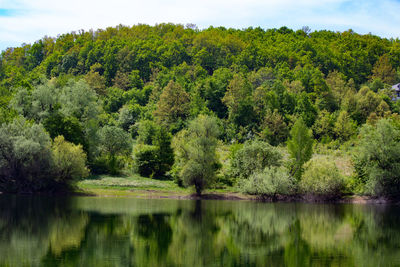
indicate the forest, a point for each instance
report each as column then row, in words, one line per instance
column 266, row 111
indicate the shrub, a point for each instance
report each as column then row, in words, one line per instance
column 155, row 147
column 114, row 142
column 270, row 182
column 254, row 157
column 69, row 161
column 321, row 177
column 29, row 163
column 25, row 157
column 146, row 159
column 377, row 158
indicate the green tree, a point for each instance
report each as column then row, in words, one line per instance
column 173, row 104
column 344, row 126
column 153, row 156
column 275, row 129
column 113, row 142
column 377, row 158
column 69, row 161
column 253, row 157
column 239, row 101
column 195, row 148
column 25, row 157
column 299, row 147
column 384, row 71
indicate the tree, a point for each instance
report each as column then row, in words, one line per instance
column 114, row 141
column 29, row 163
column 253, row 157
column 25, row 157
column 275, row 128
column 173, row 104
column 377, row 158
column 306, row 109
column 300, row 147
column 384, row 71
column 195, row 148
column 239, row 101
column 344, row 126
column 153, row 156
column 69, row 161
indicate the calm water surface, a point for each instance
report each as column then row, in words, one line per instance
column 86, row 231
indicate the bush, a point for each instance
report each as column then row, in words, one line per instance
column 25, row 157
column 69, row 161
column 377, row 159
column 321, row 177
column 154, row 155
column 29, row 163
column 270, row 182
column 146, row 160
column 254, row 156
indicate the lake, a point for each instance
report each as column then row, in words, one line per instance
column 91, row 231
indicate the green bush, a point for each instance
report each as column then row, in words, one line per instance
column 377, row 159
column 146, row 160
column 254, row 156
column 270, row 182
column 321, row 177
column 155, row 147
column 30, row 163
column 69, row 161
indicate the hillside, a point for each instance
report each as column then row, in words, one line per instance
column 157, row 88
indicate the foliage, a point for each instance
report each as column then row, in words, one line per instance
column 195, row 148
column 256, row 82
column 299, row 147
column 376, row 158
column 25, row 159
column 275, row 128
column 114, row 141
column 321, row 177
column 153, row 156
column 29, row 163
column 173, row 104
column 271, row 181
column 253, row 157
column 69, row 161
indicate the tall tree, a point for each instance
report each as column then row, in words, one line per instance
column 384, row 71
column 173, row 104
column 196, row 158
column 300, row 146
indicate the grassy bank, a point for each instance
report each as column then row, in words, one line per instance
column 140, row 187
column 133, row 185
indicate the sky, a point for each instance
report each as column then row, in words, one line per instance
column 26, row 21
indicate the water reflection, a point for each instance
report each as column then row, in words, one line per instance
column 98, row 232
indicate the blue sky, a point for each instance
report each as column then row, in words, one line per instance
column 25, row 21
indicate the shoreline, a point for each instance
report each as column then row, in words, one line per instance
column 230, row 196
column 160, row 194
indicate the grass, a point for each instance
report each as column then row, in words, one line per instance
column 136, row 186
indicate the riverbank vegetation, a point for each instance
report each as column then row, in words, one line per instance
column 267, row 112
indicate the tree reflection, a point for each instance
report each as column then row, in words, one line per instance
column 57, row 232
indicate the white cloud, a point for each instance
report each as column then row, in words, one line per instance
column 35, row 19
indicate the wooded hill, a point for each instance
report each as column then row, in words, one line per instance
column 102, row 90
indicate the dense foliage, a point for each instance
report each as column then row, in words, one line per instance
column 29, row 162
column 127, row 90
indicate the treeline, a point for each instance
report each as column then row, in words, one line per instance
column 209, row 107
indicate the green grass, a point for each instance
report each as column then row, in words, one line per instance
column 137, row 186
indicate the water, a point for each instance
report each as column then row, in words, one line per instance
column 86, row 231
